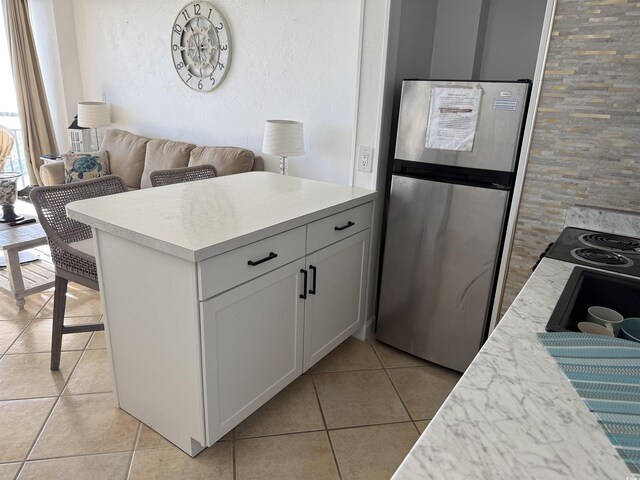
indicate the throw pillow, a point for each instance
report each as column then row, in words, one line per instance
column 126, row 155
column 85, row 166
column 162, row 155
column 227, row 160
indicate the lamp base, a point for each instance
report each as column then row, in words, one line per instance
column 283, row 165
column 9, row 214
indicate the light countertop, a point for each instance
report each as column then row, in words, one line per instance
column 603, row 220
column 197, row 220
column 514, row 414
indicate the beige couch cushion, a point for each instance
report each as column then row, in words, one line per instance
column 164, row 154
column 227, row 160
column 52, row 173
column 258, row 164
column 126, row 155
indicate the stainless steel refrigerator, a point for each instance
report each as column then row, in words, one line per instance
column 452, row 180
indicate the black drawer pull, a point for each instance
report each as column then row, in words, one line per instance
column 312, row 290
column 262, row 260
column 349, row 224
column 304, row 288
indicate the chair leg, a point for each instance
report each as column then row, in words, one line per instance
column 59, row 304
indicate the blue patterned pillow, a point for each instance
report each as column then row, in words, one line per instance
column 85, row 166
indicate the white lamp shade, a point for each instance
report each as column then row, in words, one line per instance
column 93, row 114
column 283, row 138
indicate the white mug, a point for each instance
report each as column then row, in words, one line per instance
column 610, row 319
column 594, row 328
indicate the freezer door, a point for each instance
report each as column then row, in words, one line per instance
column 441, row 248
column 498, row 133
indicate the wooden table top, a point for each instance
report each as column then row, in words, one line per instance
column 31, row 234
column 12, row 236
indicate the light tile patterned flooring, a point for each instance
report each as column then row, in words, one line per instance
column 355, row 415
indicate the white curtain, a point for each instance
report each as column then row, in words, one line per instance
column 33, row 108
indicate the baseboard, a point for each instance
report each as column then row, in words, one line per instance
column 367, row 330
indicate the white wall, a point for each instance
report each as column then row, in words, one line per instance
column 375, row 90
column 323, row 62
column 68, row 48
column 291, row 59
column 44, row 35
column 371, row 78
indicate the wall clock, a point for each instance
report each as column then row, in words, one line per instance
column 201, row 46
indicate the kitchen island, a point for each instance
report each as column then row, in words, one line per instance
column 217, row 294
column 514, row 414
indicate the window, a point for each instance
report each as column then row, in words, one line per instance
column 9, row 109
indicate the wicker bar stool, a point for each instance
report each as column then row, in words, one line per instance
column 159, row 178
column 71, row 247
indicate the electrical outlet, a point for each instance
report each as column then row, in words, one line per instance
column 365, row 158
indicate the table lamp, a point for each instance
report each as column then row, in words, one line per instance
column 93, row 115
column 283, row 138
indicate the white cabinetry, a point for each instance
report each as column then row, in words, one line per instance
column 334, row 308
column 233, row 268
column 337, row 262
column 252, row 334
column 252, row 346
column 203, row 310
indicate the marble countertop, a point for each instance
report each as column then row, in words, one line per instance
column 514, row 414
column 601, row 219
column 197, row 220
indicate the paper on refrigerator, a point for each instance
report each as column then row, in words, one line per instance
column 453, row 118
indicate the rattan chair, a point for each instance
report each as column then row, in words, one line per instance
column 160, row 178
column 6, row 144
column 71, row 247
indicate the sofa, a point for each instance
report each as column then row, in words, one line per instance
column 134, row 157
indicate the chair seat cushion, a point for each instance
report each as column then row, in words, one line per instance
column 85, row 246
column 85, row 166
column 227, row 160
column 162, row 155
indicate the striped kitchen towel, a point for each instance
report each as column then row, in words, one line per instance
column 605, row 371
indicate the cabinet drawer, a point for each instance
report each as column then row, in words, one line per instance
column 227, row 270
column 336, row 227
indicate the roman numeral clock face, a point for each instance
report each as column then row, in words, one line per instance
column 201, row 46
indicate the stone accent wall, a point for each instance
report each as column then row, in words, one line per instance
column 586, row 142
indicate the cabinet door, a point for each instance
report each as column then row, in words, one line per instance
column 335, row 308
column 252, row 346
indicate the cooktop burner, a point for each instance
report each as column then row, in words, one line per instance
column 595, row 256
column 614, row 243
column 606, row 251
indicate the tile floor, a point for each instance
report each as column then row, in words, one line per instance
column 355, row 415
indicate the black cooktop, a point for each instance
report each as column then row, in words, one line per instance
column 615, row 253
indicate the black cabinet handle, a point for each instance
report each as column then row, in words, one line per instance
column 312, row 290
column 304, row 288
column 262, row 260
column 349, row 224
